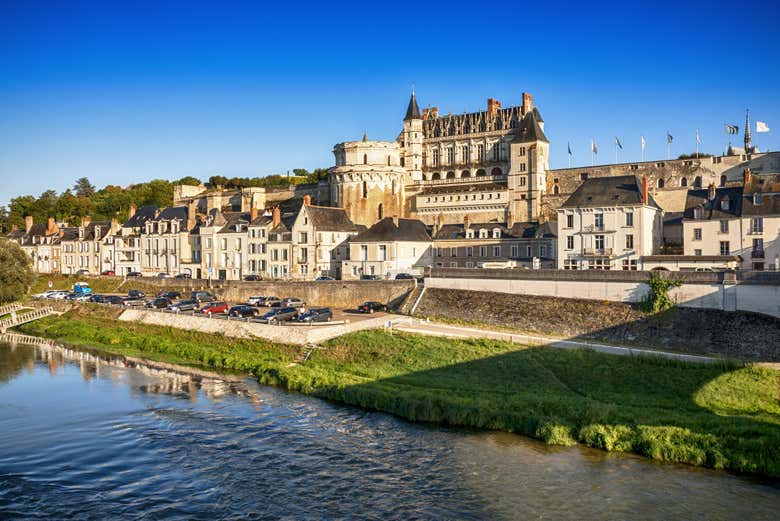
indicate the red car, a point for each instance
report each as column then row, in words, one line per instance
column 109, row 273
column 213, row 308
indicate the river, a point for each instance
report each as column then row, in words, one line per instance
column 89, row 437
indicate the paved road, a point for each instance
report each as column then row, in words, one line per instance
column 453, row 331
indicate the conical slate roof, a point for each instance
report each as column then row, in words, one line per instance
column 412, row 111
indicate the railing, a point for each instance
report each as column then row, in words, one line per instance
column 598, row 252
column 9, row 308
column 17, row 320
column 464, row 180
column 757, row 254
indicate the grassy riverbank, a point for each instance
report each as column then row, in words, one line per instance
column 721, row 416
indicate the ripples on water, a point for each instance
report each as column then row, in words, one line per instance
column 91, row 439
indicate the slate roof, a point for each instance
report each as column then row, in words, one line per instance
column 140, row 217
column 520, row 230
column 407, row 230
column 529, row 128
column 172, row 213
column 714, row 209
column 768, row 186
column 624, row 190
column 412, row 111
column 232, row 219
column 330, row 219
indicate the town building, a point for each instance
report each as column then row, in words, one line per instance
column 83, row 248
column 41, row 243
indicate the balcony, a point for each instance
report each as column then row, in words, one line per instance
column 757, row 254
column 302, row 260
column 598, row 252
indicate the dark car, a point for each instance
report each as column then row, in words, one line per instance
column 243, row 310
column 253, row 278
column 134, row 275
column 280, row 315
column 159, row 303
column 169, row 294
column 136, row 293
column 184, row 305
column 370, row 277
column 324, row 278
column 291, row 302
column 404, row 276
column 316, row 315
column 202, row 296
column 114, row 299
column 97, row 298
column 214, row 308
column 183, row 276
column 109, row 273
column 370, row 307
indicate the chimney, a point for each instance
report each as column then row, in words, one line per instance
column 307, row 200
column 747, row 176
column 466, row 222
column 114, row 226
column 510, row 220
column 191, row 211
column 51, row 227
column 395, row 220
column 644, row 189
column 277, row 216
column 254, row 212
column 711, row 192
column 85, row 221
column 528, row 103
column 493, row 106
column 131, row 211
column 434, row 112
column 28, row 223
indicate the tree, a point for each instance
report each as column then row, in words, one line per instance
column 694, row 155
column 84, row 188
column 16, row 274
column 300, row 172
column 188, row 180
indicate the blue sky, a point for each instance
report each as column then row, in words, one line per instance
column 123, row 92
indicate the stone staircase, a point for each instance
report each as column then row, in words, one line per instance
column 412, row 300
column 305, row 353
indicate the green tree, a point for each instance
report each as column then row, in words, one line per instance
column 694, row 155
column 188, row 180
column 16, row 275
column 84, row 188
column 4, row 227
column 301, row 172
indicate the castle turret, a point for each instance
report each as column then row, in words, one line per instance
column 413, row 140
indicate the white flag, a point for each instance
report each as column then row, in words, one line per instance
column 698, row 141
column 643, row 142
column 761, row 127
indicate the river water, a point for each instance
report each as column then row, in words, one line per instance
column 88, row 437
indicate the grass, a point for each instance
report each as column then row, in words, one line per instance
column 716, row 415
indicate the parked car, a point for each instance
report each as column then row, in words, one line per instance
column 45, row 294
column 202, row 296
column 316, row 315
column 277, row 315
column 272, row 302
column 135, row 302
column 77, row 297
column 159, row 303
column 115, row 300
column 163, row 275
column 109, row 273
column 404, row 276
column 183, row 276
column 170, row 294
column 291, row 302
column 370, row 307
column 184, row 305
column 59, row 295
column 324, row 278
column 255, row 300
column 134, row 275
column 97, row 298
column 253, row 278
column 214, row 308
column 370, row 277
column 82, row 273
column 243, row 310
column 136, row 293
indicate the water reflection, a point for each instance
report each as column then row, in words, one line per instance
column 87, row 435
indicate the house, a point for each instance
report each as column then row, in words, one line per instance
column 41, row 243
column 126, row 243
column 761, row 221
column 389, row 247
column 84, row 247
column 608, row 223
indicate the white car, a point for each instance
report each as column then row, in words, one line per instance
column 45, row 294
column 59, row 295
column 254, row 301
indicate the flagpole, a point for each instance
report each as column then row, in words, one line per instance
column 697, row 143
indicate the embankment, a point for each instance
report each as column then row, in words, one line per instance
column 716, row 415
column 735, row 334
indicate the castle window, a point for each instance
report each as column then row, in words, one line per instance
column 522, row 167
column 365, row 159
column 480, row 153
column 379, row 209
column 481, row 172
column 697, row 182
column 483, row 234
column 393, row 186
column 522, row 181
column 365, row 189
column 583, row 176
column 555, row 190
column 496, row 233
column 436, row 158
column 388, row 160
column 683, row 182
column 465, row 173
column 450, row 175
column 660, row 183
column 450, row 155
column 497, row 152
column 496, row 171
column 723, row 180
column 521, row 152
column 464, row 154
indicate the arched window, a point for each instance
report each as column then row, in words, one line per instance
column 435, row 176
column 450, row 175
column 365, row 159
column 388, row 160
column 723, row 180
column 425, row 177
column 481, row 172
column 465, row 173
column 684, row 182
column 495, row 171
column 697, row 182
column 555, row 190
column 365, row 189
column 660, row 183
column 379, row 210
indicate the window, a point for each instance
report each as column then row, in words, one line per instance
column 697, row 182
column 469, row 264
column 660, row 183
column 570, row 221
column 439, row 252
column 599, row 221
column 723, row 180
column 436, row 159
column 522, row 168
column 483, row 234
column 496, row 251
column 480, row 153
column 365, row 189
column 599, row 242
column 514, row 250
column 724, row 226
column 697, row 253
column 757, row 199
column 497, row 152
column 543, row 250
column 483, row 251
column 450, row 156
column 528, row 251
column 469, row 251
column 569, row 264
column 724, row 248
column 496, row 233
column 284, row 254
column 521, row 152
column 629, row 218
column 630, row 242
column 464, row 154
column 382, row 252
column 224, row 244
column 697, row 234
column 629, row 265
column 522, row 181
column 758, row 245
column 583, row 176
column 453, row 251
column 363, row 252
column 757, row 225
column 683, row 182
column 570, row 242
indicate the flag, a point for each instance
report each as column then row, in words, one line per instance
column 761, row 127
column 698, row 141
column 569, row 145
column 643, row 142
column 732, row 129
column 618, row 143
column 594, row 147
column 669, row 138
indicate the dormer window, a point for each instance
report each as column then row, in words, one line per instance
column 757, row 199
column 698, row 212
column 724, row 203
column 483, row 234
column 496, row 233
column 469, row 234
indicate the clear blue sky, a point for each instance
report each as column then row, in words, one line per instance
column 132, row 91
